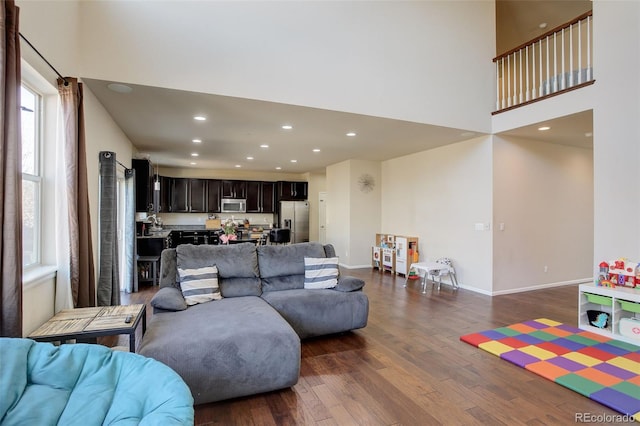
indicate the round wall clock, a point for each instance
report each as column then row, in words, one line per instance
column 366, row 182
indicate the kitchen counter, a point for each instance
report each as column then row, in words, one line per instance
column 158, row 234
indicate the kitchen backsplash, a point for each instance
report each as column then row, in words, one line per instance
column 199, row 218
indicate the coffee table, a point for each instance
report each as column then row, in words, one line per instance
column 91, row 323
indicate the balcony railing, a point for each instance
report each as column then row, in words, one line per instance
column 555, row 62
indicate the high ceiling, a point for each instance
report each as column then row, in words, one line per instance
column 159, row 121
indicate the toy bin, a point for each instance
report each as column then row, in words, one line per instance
column 599, row 300
column 629, row 306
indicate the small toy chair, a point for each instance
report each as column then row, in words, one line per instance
column 450, row 272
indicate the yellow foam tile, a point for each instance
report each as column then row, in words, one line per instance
column 537, row 352
column 625, row 363
column 495, row 347
column 583, row 359
column 548, row 322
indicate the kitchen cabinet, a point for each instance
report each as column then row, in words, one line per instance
column 214, row 194
column 179, row 195
column 260, row 197
column 164, row 202
column 188, row 195
column 144, row 184
column 292, row 191
column 197, row 195
column 234, row 189
column 268, row 197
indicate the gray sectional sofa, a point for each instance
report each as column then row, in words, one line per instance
column 249, row 341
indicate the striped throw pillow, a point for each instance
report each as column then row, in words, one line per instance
column 320, row 272
column 199, row 285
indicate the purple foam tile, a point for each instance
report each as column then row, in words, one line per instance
column 616, row 400
column 567, row 364
column 518, row 358
column 494, row 335
column 611, row 349
column 535, row 324
column 527, row 338
column 618, row 372
column 569, row 344
column 569, row 328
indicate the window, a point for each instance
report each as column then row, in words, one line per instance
column 31, row 103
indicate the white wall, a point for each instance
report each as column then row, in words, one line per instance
column 438, row 196
column 616, row 130
column 339, row 209
column 378, row 58
column 353, row 216
column 317, row 184
column 543, row 194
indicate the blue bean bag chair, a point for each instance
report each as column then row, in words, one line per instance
column 82, row 384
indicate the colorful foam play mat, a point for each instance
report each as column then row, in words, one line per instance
column 598, row 367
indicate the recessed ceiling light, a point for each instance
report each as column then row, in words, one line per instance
column 194, row 154
column 278, row 168
column 316, row 150
column 193, row 163
column 200, row 118
column 588, row 135
column 542, row 25
column 249, row 158
column 287, row 127
column 238, row 166
column 196, row 140
column 294, row 161
column 119, row 88
column 351, row 134
column 264, row 145
column 543, row 128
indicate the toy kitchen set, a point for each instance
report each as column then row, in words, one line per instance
column 394, row 253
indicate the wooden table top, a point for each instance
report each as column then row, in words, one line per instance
column 86, row 320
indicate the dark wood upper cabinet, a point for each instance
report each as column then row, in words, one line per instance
column 292, row 191
column 197, row 195
column 268, row 197
column 179, row 195
column 254, row 196
column 214, row 194
column 144, row 187
column 164, row 203
column 234, row 189
column 260, row 197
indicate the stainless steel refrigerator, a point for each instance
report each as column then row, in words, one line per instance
column 295, row 216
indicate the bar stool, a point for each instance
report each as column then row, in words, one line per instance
column 153, row 260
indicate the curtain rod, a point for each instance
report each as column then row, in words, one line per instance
column 66, row 83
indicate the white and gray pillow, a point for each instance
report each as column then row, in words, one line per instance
column 320, row 272
column 199, row 285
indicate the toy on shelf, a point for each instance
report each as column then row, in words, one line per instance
column 603, row 279
column 619, row 272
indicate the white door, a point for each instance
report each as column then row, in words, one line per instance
column 322, row 217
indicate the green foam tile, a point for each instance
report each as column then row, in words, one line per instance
column 547, row 337
column 582, row 340
column 628, row 388
column 579, row 384
column 508, row 331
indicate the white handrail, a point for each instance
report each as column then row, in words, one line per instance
column 520, row 80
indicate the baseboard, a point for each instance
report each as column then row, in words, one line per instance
column 353, row 266
column 542, row 286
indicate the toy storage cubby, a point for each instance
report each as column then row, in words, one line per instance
column 619, row 302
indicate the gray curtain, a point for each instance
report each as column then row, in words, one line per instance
column 81, row 266
column 130, row 276
column 10, row 174
column 108, row 276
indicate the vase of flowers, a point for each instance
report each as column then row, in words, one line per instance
column 229, row 228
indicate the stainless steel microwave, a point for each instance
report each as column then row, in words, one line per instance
column 233, row 206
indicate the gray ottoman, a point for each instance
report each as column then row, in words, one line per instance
column 228, row 348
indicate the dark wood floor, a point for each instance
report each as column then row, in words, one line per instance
column 408, row 366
